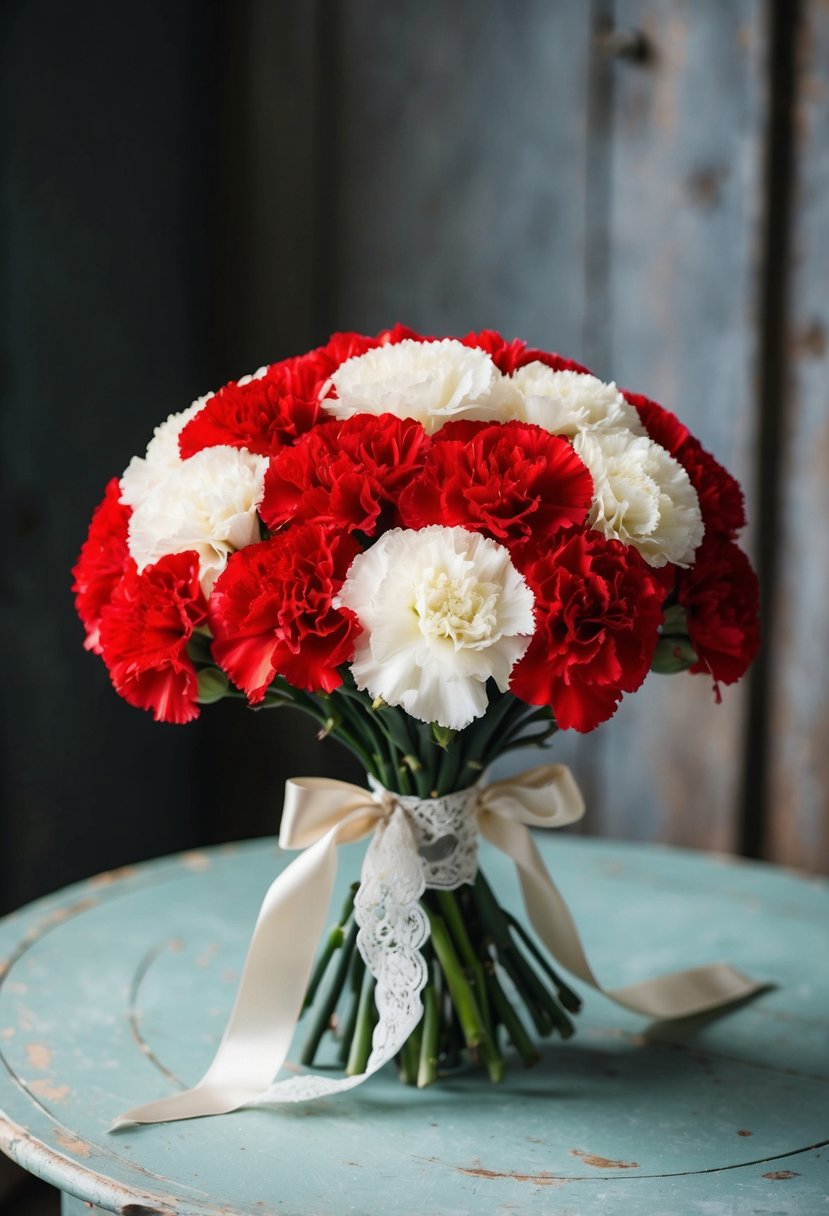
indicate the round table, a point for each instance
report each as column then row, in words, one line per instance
column 116, row 991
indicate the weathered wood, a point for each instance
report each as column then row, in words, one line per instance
column 684, row 214
column 798, row 831
column 115, row 991
column 462, row 167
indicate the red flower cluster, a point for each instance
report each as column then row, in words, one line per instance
column 103, row 559
column 598, row 612
column 271, row 611
column 332, row 487
column 511, row 481
column 145, row 629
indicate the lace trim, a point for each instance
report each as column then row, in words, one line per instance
column 429, row 843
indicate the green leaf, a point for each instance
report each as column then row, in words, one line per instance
column 443, row 735
column 673, row 653
column 213, row 685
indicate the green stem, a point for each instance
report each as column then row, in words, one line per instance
column 410, row 1056
column 478, row 1040
column 569, row 999
column 355, row 981
column 513, row 1025
column 325, row 1011
column 460, row 991
column 447, row 902
column 360, row 1049
column 334, row 941
column 427, row 1070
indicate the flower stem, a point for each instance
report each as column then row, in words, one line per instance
column 360, row 1049
column 325, row 1012
column 334, row 941
column 427, row 1070
column 477, row 1037
column 513, row 1025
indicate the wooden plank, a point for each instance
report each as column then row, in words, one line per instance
column 687, row 151
column 462, row 168
column 799, row 709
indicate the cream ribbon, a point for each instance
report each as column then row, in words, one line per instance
column 319, row 816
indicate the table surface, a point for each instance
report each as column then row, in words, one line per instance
column 116, row 991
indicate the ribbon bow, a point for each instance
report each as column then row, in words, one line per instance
column 415, row 843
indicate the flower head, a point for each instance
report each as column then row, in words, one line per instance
column 721, row 597
column 347, row 474
column 720, row 497
column 144, row 634
column 207, row 504
column 144, row 473
column 442, row 610
column 103, row 559
column 643, row 497
column 510, row 482
column 271, row 611
column 569, row 402
column 432, row 381
column 598, row 611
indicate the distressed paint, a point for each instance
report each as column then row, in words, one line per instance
column 799, row 709
column 718, row 1118
column 685, row 219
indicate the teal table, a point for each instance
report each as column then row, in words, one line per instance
column 116, row 991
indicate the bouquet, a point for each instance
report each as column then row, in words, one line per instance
column 442, row 550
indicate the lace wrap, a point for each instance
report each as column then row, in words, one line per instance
column 418, row 844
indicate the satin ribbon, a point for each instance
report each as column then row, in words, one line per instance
column 319, row 816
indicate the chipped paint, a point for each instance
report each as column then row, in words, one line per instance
column 542, row 1179
column 8, row 1032
column 781, row 1175
column 207, row 955
column 47, row 1089
column 603, row 1163
column 196, row 861
column 72, row 1143
column 110, row 876
column 743, row 1132
column 40, row 1055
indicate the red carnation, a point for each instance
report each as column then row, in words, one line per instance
column 598, row 610
column 271, row 611
column 345, row 474
column 103, row 559
column 144, row 635
column 265, row 413
column 262, row 414
column 509, row 356
column 720, row 497
column 511, row 481
column 721, row 597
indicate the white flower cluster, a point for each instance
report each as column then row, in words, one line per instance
column 207, row 502
column 443, row 610
column 642, row 497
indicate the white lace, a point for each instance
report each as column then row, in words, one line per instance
column 429, row 843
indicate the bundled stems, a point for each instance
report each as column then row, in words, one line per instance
column 473, row 949
column 487, row 979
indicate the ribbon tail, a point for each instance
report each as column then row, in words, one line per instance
column 271, row 991
column 678, row 995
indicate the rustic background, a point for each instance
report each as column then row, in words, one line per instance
column 190, row 189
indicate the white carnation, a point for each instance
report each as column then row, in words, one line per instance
column 207, row 503
column 144, row 473
column 567, row 402
column 642, row 496
column 443, row 610
column 433, row 382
